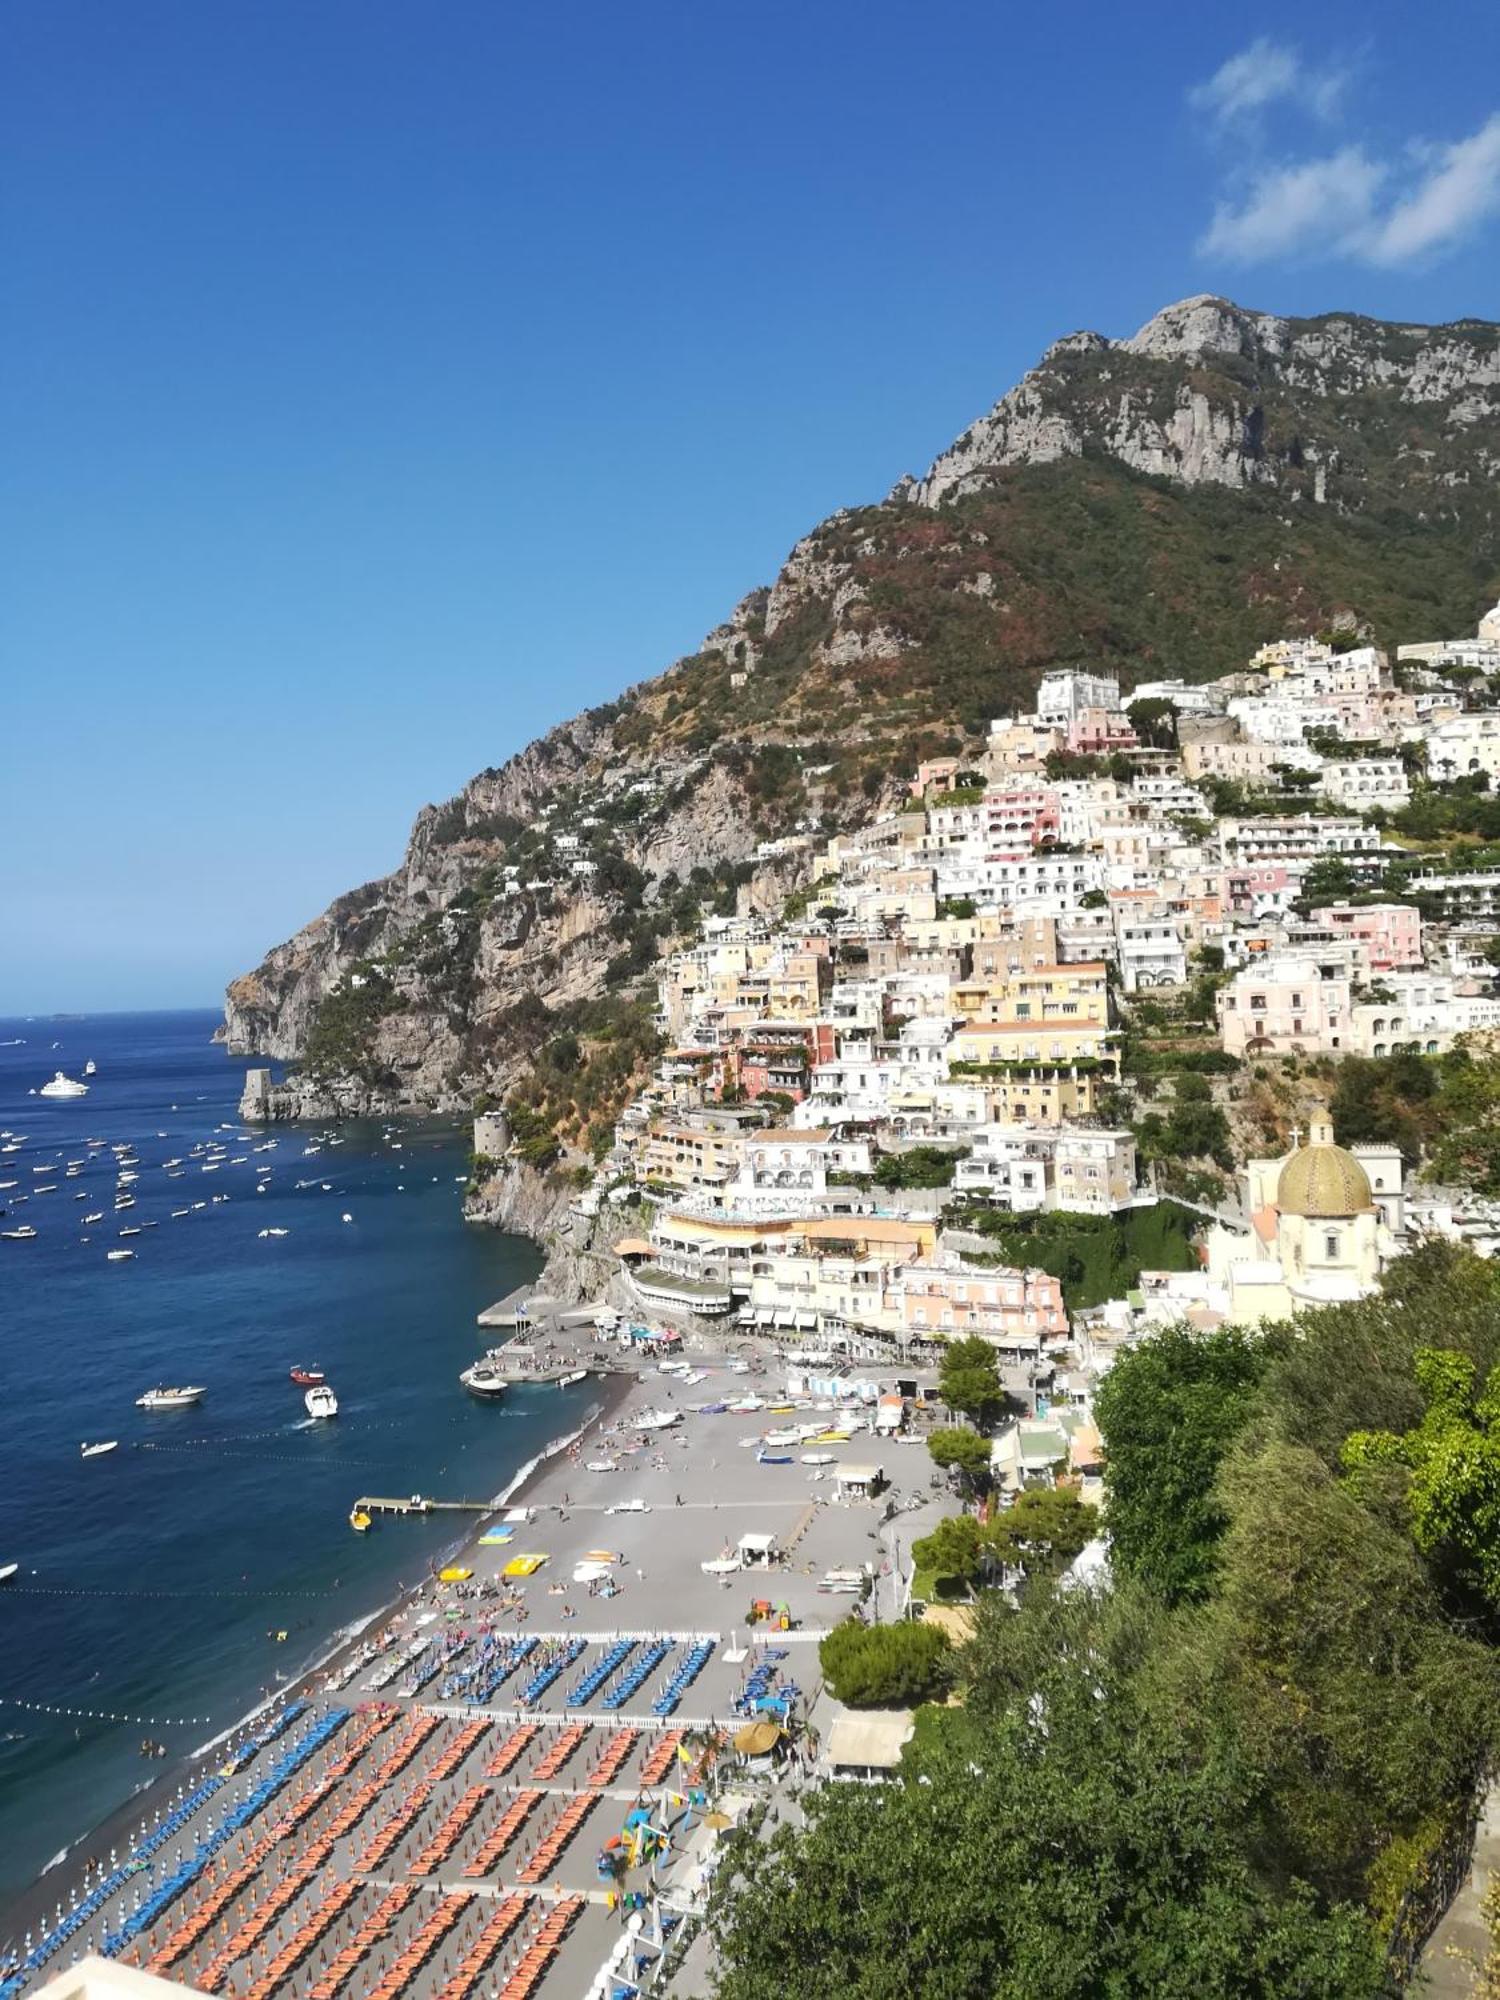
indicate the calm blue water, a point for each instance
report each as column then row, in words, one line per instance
column 153, row 1578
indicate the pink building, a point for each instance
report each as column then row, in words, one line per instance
column 1391, row 933
column 1095, row 732
column 1285, row 1003
column 1257, row 887
column 1019, row 816
column 1003, row 1305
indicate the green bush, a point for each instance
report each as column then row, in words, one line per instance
column 883, row 1666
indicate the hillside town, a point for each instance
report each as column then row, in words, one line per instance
column 1032, row 1008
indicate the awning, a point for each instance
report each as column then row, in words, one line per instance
column 632, row 1246
column 757, row 1738
column 873, row 1741
column 805, row 1319
column 784, row 1319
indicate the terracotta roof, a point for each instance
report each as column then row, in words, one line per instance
column 632, row 1246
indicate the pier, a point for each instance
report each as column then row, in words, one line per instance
column 418, row 1503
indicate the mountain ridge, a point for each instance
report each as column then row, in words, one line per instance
column 1161, row 503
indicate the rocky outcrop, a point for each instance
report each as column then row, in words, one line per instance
column 578, row 1248
column 1208, row 393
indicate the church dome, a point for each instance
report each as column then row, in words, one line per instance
column 1321, row 1179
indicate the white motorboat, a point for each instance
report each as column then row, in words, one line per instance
column 162, row 1398
column 656, row 1420
column 485, row 1379
column 89, row 1067
column 98, row 1450
column 63, row 1086
column 22, row 1235
column 320, row 1401
column 118, row 1256
column 8, row 1570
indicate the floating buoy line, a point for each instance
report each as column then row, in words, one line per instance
column 103, row 1714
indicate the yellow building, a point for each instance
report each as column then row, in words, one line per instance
column 684, row 1157
column 1073, row 995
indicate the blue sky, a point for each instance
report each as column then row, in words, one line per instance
column 383, row 383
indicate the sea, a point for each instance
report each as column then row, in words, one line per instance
column 165, row 1587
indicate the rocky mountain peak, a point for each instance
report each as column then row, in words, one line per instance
column 1207, row 325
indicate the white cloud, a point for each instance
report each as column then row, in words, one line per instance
column 1319, row 206
column 1263, row 74
column 1349, row 205
column 1461, row 190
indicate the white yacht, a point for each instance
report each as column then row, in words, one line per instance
column 89, row 1067
column 320, row 1401
column 485, row 1379
column 22, row 1235
column 63, row 1086
column 167, row 1399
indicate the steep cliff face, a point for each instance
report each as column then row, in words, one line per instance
column 1209, row 393
column 1162, row 503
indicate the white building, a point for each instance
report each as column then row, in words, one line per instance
column 1025, row 1168
column 1363, row 782
column 1463, row 746
column 1063, row 696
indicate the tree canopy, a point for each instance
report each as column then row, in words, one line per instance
column 1169, row 1410
column 883, row 1666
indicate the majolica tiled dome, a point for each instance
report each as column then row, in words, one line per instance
column 1321, row 1179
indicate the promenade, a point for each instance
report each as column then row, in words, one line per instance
column 427, row 1819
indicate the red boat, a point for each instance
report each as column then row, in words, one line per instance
column 308, row 1378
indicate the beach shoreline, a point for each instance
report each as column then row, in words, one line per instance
column 30, row 1907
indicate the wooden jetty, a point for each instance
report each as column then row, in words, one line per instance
column 418, row 1503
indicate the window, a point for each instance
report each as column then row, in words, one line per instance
column 1331, row 1246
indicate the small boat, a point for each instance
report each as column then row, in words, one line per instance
column 89, row 1068
column 98, row 1450
column 772, row 1458
column 359, row 1520
column 63, row 1086
column 272, row 1232
column 118, row 1256
column 135, row 1230
column 162, row 1398
column 455, row 1573
column 8, row 1571
column 22, row 1235
column 320, row 1401
column 97, row 1216
column 307, row 1378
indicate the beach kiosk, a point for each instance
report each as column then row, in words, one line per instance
column 858, row 1482
column 756, row 1551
